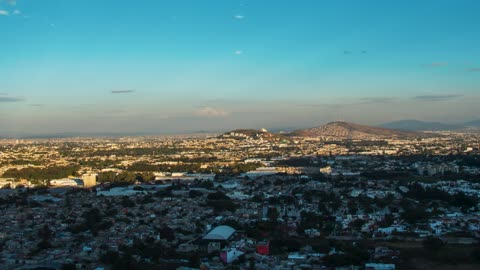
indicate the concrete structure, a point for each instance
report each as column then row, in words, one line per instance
column 263, row 248
column 326, row 170
column 67, row 182
column 220, row 233
column 229, row 255
column 262, row 171
column 7, row 182
column 89, row 180
column 437, row 169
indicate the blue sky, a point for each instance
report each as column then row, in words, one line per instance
column 187, row 65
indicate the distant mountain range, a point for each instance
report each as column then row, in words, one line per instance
column 341, row 130
column 416, row 125
column 345, row 130
column 474, row 123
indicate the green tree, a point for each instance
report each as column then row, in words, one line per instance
column 433, row 243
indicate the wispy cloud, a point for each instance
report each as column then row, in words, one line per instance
column 238, row 52
column 10, row 99
column 122, row 91
column 4, row 12
column 436, row 64
column 210, row 112
column 351, row 52
column 323, row 105
column 17, row 12
column 436, row 97
column 36, row 105
column 369, row 100
column 239, row 17
column 474, row 69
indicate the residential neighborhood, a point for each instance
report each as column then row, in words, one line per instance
column 216, row 202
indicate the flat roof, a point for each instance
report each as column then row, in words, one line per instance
column 220, row 233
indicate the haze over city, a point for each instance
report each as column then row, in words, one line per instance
column 239, row 134
column 187, row 65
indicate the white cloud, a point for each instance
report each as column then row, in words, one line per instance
column 239, row 17
column 238, row 52
column 17, row 12
column 4, row 13
column 123, row 91
column 210, row 112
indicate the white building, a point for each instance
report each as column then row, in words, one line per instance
column 221, row 233
column 228, row 255
column 67, row 182
column 262, row 171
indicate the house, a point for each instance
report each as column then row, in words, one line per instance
column 228, row 255
column 263, row 248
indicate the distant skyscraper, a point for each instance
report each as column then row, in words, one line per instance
column 89, row 180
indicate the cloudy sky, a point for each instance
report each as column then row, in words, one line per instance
column 188, row 65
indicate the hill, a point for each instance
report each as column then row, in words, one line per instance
column 346, row 130
column 475, row 123
column 415, row 125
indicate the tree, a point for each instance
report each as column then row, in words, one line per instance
column 272, row 214
column 109, row 257
column 413, row 215
column 220, row 201
column 126, row 202
column 310, row 220
column 45, row 233
column 194, row 194
column 476, row 254
column 352, row 207
column 433, row 243
column 68, row 266
column 194, row 261
column 167, row 233
column 218, row 196
column 357, row 224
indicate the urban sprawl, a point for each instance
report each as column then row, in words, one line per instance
column 240, row 200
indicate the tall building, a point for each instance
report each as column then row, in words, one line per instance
column 89, row 180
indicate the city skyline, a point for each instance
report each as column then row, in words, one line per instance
column 185, row 66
